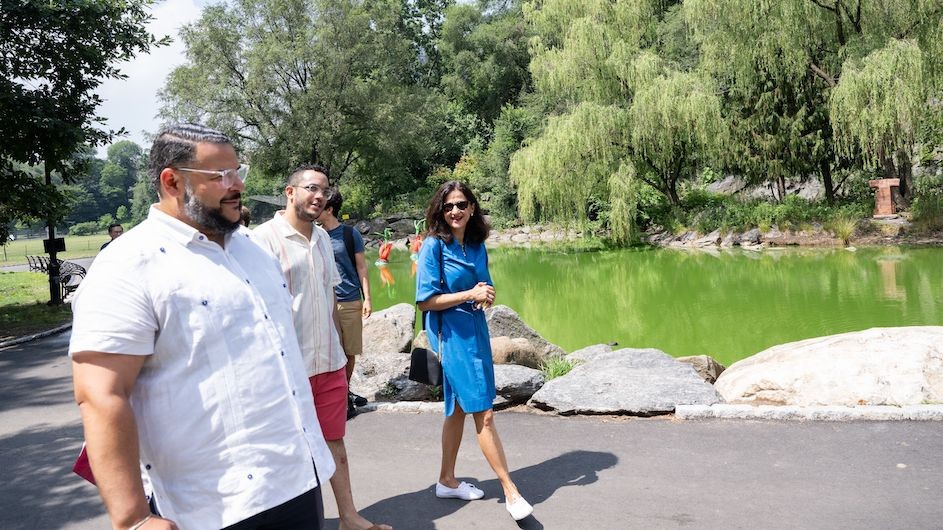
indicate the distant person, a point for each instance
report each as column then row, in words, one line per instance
column 245, row 217
column 307, row 259
column 185, row 363
column 453, row 286
column 114, row 230
column 353, row 293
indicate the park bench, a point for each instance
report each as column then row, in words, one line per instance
column 70, row 274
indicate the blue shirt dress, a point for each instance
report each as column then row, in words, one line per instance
column 466, row 344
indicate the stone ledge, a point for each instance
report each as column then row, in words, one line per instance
column 405, row 406
column 833, row 413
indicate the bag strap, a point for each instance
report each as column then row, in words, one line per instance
column 444, row 290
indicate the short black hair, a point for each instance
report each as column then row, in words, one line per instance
column 334, row 201
column 476, row 231
column 176, row 145
column 295, row 176
column 114, row 225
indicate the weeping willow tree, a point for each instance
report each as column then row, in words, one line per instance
column 622, row 117
column 781, row 61
column 876, row 109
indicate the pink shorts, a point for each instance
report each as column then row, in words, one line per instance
column 330, row 402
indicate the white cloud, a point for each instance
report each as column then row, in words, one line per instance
column 132, row 103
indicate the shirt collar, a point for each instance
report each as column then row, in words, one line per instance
column 284, row 228
column 178, row 230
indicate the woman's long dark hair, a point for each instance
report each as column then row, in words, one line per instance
column 476, row 231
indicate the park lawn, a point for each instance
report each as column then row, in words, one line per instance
column 15, row 252
column 23, row 309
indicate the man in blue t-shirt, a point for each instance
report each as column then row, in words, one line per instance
column 351, row 306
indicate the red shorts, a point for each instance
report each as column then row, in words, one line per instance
column 330, row 402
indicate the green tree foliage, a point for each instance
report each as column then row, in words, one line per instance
column 332, row 82
column 485, row 57
column 623, row 116
column 53, row 55
column 785, row 61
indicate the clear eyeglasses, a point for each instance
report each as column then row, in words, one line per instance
column 224, row 177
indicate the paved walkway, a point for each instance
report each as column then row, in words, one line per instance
column 579, row 472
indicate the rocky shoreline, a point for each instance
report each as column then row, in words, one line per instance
column 868, row 232
column 900, row 368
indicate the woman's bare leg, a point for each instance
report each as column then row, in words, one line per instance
column 490, row 444
column 452, row 431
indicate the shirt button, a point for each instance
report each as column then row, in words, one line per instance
column 266, row 317
column 284, row 285
column 204, row 302
column 201, row 238
column 148, row 466
column 283, row 353
column 250, row 476
column 162, row 249
column 293, row 392
column 247, row 280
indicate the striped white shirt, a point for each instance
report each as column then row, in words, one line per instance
column 309, row 267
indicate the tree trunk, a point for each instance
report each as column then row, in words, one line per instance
column 781, row 187
column 55, row 291
column 905, row 174
column 825, row 167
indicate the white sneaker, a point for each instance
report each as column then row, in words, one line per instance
column 464, row 491
column 519, row 509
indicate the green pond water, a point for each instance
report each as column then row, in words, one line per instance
column 729, row 305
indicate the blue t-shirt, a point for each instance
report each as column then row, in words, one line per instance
column 349, row 288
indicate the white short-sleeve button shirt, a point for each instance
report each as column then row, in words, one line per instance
column 222, row 403
column 309, row 268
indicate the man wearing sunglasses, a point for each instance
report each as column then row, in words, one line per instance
column 185, row 362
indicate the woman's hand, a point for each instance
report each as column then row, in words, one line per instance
column 482, row 294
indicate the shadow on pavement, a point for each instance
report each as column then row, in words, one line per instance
column 39, row 488
column 419, row 510
column 25, row 376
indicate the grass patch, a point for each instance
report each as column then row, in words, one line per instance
column 556, row 367
column 23, row 309
column 15, row 252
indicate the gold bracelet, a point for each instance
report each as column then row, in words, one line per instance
column 141, row 523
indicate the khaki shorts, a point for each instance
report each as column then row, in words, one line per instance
column 351, row 331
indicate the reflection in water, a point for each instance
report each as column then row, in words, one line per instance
column 729, row 306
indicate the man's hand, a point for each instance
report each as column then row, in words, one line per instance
column 367, row 309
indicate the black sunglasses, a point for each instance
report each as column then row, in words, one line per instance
column 461, row 205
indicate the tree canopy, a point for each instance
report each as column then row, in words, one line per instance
column 53, row 55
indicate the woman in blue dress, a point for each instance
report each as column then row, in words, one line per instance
column 453, row 287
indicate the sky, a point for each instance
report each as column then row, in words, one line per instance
column 132, row 103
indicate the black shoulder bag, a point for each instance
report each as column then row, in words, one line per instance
column 425, row 365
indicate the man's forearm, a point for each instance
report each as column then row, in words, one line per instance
column 111, row 440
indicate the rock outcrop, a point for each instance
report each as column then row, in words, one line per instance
column 705, row 366
column 504, row 322
column 515, row 384
column 390, row 330
column 640, row 382
column 879, row 366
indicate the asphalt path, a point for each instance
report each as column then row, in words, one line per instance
column 578, row 472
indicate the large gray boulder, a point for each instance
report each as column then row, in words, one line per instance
column 385, row 378
column 504, row 322
column 640, row 382
column 390, row 330
column 515, row 384
column 879, row 366
column 586, row 354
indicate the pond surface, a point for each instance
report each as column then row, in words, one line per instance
column 729, row 305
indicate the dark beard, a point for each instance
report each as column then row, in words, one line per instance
column 211, row 220
column 303, row 215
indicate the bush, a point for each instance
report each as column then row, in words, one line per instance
column 927, row 207
column 85, row 229
column 556, row 367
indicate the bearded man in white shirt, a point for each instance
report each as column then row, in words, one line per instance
column 307, row 259
column 185, row 362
